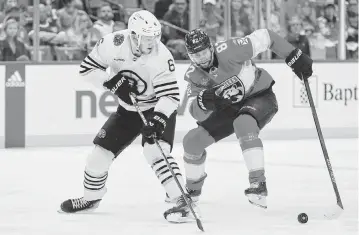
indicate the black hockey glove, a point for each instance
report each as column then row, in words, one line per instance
column 156, row 126
column 208, row 100
column 122, row 86
column 300, row 63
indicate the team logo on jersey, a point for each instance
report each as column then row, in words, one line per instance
column 240, row 41
column 232, row 89
column 118, row 39
column 136, row 79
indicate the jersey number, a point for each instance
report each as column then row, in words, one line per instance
column 171, row 65
column 221, row 47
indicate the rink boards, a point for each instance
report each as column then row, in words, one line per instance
column 48, row 105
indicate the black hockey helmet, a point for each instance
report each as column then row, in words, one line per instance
column 199, row 48
column 196, row 40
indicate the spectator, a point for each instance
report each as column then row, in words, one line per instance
column 211, row 22
column 328, row 26
column 105, row 23
column 119, row 26
column 11, row 49
column 177, row 16
column 246, row 19
column 148, row 5
column 47, row 32
column 161, row 7
column 352, row 40
column 68, row 14
column 307, row 14
column 236, row 6
column 178, row 49
column 10, row 8
column 296, row 35
column 76, row 37
column 288, row 8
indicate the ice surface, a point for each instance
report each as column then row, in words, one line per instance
column 35, row 181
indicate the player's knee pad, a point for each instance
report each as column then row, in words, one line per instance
column 99, row 161
column 196, row 141
column 247, row 131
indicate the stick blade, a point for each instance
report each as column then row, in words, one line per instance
column 334, row 212
column 199, row 225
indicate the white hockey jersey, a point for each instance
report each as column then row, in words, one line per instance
column 154, row 73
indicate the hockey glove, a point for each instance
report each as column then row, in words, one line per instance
column 156, row 126
column 208, row 100
column 122, row 86
column 300, row 63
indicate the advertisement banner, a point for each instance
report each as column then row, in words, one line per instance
column 335, row 96
column 2, row 106
column 63, row 109
column 61, row 106
column 15, row 105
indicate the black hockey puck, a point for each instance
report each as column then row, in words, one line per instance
column 302, row 218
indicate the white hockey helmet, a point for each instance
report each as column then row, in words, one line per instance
column 144, row 23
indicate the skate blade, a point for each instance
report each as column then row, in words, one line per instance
column 260, row 201
column 176, row 218
column 170, row 201
column 174, row 201
column 86, row 211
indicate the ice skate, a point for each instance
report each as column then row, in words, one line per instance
column 257, row 194
column 78, row 205
column 194, row 194
column 170, row 200
column 181, row 213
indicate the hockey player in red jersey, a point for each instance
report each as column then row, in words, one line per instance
column 231, row 95
column 136, row 62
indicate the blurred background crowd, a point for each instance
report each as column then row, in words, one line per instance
column 68, row 29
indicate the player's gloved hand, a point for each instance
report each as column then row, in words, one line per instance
column 156, row 126
column 208, row 100
column 300, row 63
column 122, row 86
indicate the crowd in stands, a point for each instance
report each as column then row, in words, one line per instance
column 70, row 28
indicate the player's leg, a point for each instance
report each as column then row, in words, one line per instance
column 156, row 161
column 253, row 116
column 216, row 127
column 158, row 164
column 194, row 144
column 116, row 134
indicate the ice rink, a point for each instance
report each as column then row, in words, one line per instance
column 35, row 181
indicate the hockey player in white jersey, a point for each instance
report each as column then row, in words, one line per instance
column 139, row 63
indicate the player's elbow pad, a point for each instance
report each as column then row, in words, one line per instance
column 260, row 40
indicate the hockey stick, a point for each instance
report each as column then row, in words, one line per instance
column 199, row 223
column 338, row 209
